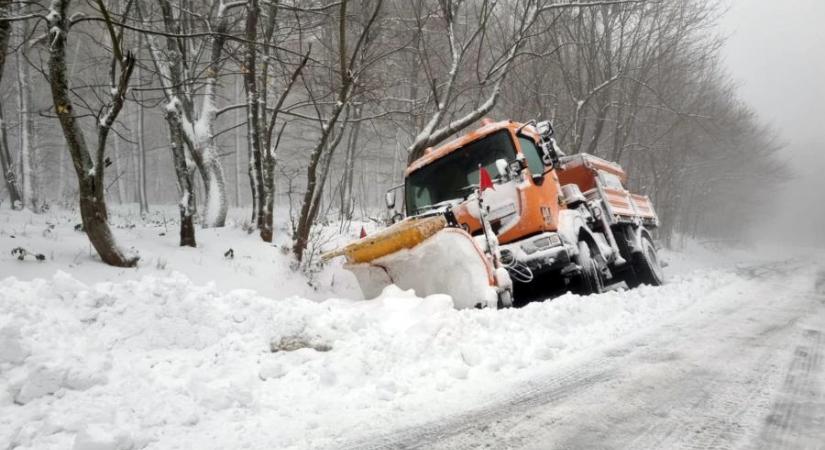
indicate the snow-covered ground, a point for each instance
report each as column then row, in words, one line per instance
column 254, row 265
column 193, row 350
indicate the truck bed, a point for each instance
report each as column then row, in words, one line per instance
column 601, row 179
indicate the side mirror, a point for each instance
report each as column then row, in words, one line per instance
column 518, row 164
column 548, row 154
column 389, row 198
column 545, row 129
column 551, row 154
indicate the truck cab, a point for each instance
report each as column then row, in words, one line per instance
column 523, row 204
column 552, row 215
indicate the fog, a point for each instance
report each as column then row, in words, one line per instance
column 776, row 52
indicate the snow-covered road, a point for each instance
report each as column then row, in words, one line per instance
column 744, row 370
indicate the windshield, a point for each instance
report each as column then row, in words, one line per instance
column 455, row 175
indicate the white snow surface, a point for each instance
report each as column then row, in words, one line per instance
column 164, row 362
column 94, row 357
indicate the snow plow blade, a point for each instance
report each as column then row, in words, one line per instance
column 428, row 256
column 404, row 234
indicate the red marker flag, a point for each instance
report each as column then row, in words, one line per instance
column 484, row 180
column 363, row 232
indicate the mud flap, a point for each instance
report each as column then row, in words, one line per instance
column 449, row 262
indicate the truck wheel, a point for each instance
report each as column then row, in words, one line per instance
column 589, row 281
column 630, row 278
column 505, row 299
column 646, row 266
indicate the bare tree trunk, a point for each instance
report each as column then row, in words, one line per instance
column 214, row 183
column 61, row 178
column 89, row 171
column 24, row 99
column 347, row 201
column 61, row 188
column 205, row 150
column 7, row 166
column 185, row 181
column 238, row 141
column 6, row 163
column 253, row 115
column 254, row 180
column 198, row 131
column 169, row 66
column 119, row 171
column 321, row 155
column 134, row 155
column 141, row 163
column 140, row 157
column 260, row 129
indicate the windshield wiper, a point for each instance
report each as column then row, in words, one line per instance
column 434, row 206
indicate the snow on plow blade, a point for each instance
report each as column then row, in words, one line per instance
column 425, row 255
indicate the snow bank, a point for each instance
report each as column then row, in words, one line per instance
column 163, row 362
column 255, row 265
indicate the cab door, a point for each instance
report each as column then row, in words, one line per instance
column 539, row 195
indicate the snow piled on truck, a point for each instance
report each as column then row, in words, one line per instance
column 163, row 362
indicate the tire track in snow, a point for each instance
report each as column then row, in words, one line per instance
column 727, row 408
column 537, row 393
column 714, row 407
column 820, row 284
column 799, row 410
column 568, row 380
column 685, row 405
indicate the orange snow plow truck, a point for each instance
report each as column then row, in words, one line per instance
column 504, row 205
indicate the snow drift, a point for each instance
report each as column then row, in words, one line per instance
column 162, row 362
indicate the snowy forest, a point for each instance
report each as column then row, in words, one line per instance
column 308, row 111
column 451, row 224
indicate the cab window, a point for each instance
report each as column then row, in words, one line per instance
column 531, row 154
column 455, row 176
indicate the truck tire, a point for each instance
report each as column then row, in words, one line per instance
column 646, row 268
column 589, row 281
column 624, row 235
column 505, row 299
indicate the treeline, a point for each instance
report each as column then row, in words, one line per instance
column 308, row 110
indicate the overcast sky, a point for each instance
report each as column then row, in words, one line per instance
column 775, row 50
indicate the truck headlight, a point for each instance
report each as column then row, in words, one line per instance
column 542, row 243
column 502, row 211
